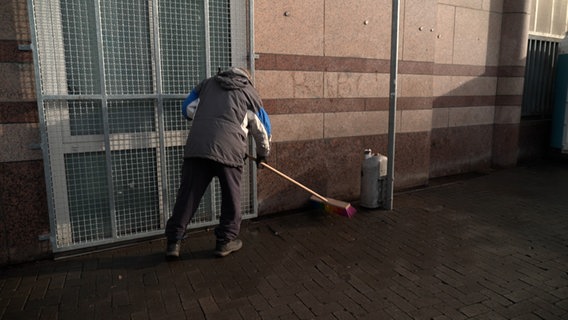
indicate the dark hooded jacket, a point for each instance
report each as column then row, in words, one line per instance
column 229, row 107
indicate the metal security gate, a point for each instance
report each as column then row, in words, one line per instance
column 539, row 77
column 111, row 76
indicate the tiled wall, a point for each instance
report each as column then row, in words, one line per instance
column 323, row 72
column 23, row 203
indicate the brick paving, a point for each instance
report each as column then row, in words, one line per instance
column 490, row 247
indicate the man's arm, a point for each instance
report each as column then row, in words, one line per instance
column 189, row 105
column 261, row 130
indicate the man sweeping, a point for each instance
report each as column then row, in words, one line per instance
column 224, row 109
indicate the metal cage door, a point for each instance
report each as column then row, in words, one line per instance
column 111, row 76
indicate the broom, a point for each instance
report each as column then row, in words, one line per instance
column 329, row 205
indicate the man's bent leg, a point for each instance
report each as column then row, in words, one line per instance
column 196, row 176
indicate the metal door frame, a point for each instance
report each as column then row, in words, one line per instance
column 158, row 140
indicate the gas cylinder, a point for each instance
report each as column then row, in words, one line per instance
column 373, row 173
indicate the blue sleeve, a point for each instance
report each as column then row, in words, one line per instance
column 191, row 97
column 263, row 116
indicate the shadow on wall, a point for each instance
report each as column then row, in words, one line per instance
column 476, row 120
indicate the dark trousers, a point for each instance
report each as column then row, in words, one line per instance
column 196, row 175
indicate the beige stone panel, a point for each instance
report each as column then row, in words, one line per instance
column 356, row 85
column 440, row 118
column 515, row 43
column 296, row 127
column 419, row 30
column 464, row 86
column 494, row 39
column 350, row 124
column 470, row 116
column 289, row 84
column 270, row 84
column 483, row 86
column 414, row 121
column 415, row 85
column 445, row 34
column 493, row 5
column 507, row 114
column 519, row 6
column 16, row 141
column 442, row 86
column 473, row 4
column 472, row 39
column 510, row 86
column 289, row 26
column 358, row 29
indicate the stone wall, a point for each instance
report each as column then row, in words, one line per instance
column 24, row 223
column 323, row 72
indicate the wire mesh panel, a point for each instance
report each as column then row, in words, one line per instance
column 80, row 44
column 112, row 76
column 182, row 43
column 85, row 117
column 135, row 181
column 89, row 203
column 220, row 24
column 126, row 36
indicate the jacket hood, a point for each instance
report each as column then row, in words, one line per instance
column 232, row 79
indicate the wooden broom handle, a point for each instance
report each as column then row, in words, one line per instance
column 322, row 198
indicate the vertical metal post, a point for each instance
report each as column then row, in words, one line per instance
column 208, row 71
column 392, row 103
column 106, row 121
column 159, row 108
column 43, row 125
column 252, row 54
column 251, row 62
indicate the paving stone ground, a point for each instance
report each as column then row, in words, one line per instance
column 490, row 247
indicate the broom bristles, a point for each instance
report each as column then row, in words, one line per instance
column 335, row 206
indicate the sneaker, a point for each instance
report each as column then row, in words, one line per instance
column 223, row 248
column 172, row 250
